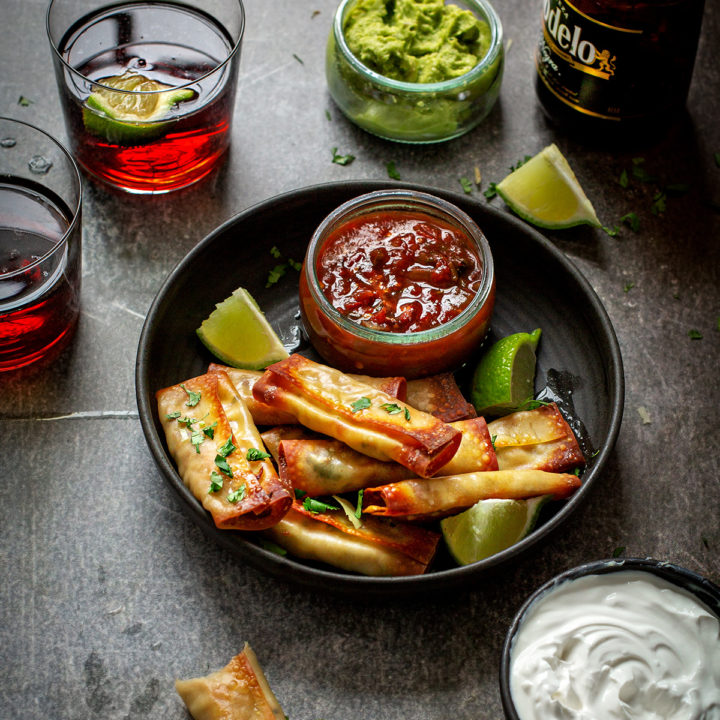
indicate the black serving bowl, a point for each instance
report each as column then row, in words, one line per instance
column 578, row 365
column 702, row 588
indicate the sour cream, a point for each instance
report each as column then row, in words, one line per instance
column 617, row 646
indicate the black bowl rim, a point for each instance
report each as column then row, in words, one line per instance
column 701, row 587
column 291, row 570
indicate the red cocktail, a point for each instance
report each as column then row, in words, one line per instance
column 147, row 88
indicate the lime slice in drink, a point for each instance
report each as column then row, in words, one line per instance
column 545, row 192
column 238, row 333
column 490, row 526
column 504, row 379
column 131, row 113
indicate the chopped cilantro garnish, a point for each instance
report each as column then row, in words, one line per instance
column 275, row 274
column 391, row 408
column 216, row 482
column 717, row 158
column 236, row 495
column 407, row 414
column 358, row 505
column 491, row 191
column 223, row 466
column 173, row 415
column 317, row 506
column 299, row 494
column 618, row 551
column 197, row 438
column 534, row 404
column 659, row 204
column 624, row 179
column 611, row 231
column 295, row 265
column 360, row 404
column 628, row 287
column 299, row 59
column 520, row 163
column 328, row 115
column 694, row 334
column 493, row 438
column 466, row 185
column 187, row 421
column 275, row 252
column 274, row 548
column 341, row 159
column 23, row 101
column 255, row 454
column 226, row 448
column 392, row 172
column 193, row 397
column 631, row 220
column 210, row 430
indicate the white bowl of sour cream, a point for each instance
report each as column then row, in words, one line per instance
column 615, row 639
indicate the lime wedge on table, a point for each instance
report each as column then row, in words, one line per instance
column 238, row 333
column 131, row 113
column 490, row 526
column 504, row 379
column 545, row 192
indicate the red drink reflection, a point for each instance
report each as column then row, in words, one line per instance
column 39, row 293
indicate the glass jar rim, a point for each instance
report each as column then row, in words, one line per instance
column 75, row 210
column 487, row 61
column 400, row 199
column 59, row 56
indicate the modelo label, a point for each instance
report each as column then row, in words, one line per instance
column 589, row 65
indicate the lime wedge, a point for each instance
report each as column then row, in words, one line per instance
column 545, row 192
column 131, row 114
column 504, row 379
column 238, row 333
column 490, row 526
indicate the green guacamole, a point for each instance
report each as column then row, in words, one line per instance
column 417, row 41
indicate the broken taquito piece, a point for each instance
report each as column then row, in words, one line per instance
column 439, row 395
column 214, row 443
column 368, row 420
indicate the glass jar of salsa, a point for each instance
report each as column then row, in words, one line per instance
column 397, row 282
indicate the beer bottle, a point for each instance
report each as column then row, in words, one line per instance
column 616, row 68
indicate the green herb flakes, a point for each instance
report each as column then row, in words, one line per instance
column 295, row 265
column 491, row 191
column 659, row 203
column 631, row 220
column 407, row 414
column 520, row 163
column 173, row 415
column 255, row 454
column 216, row 482
column 236, row 495
column 392, row 172
column 275, row 252
column 317, row 506
column 624, row 179
column 362, row 403
column 466, row 185
column 196, row 438
column 341, row 159
column 618, row 551
column 23, row 101
column 493, row 438
column 359, row 503
column 193, row 397
column 611, row 231
column 694, row 334
column 226, row 448
column 275, row 274
column 210, row 430
column 299, row 494
column 628, row 287
column 223, row 465
column 273, row 548
column 298, row 58
column 391, row 408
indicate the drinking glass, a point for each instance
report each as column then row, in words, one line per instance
column 40, row 244
column 147, row 88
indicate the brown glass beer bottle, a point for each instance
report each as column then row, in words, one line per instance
column 616, row 68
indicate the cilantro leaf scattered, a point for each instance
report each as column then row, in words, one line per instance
column 275, row 252
column 216, row 482
column 659, row 204
column 255, row 454
column 618, row 551
column 299, row 493
column 358, row 505
column 317, row 506
column 341, row 159
column 273, row 547
column 197, row 438
column 173, row 415
column 24, row 102
column 611, row 231
column 275, row 274
column 493, row 438
column 466, row 185
column 360, row 404
column 624, row 179
column 392, row 172
column 520, row 163
column 227, row 447
column 237, row 495
column 628, row 287
column 631, row 220
column 391, row 408
column 717, row 158
column 210, row 430
column 328, row 115
column 193, row 397
column 295, row 265
column 223, row 466
column 407, row 414
column 299, row 59
column 694, row 334
column 491, row 191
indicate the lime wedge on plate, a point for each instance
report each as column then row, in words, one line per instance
column 545, row 192
column 131, row 112
column 238, row 333
column 490, row 526
column 504, row 379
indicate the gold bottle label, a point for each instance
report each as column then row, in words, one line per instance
column 590, row 65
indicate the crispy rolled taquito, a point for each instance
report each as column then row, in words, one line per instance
column 239, row 691
column 440, row 396
column 377, row 547
column 423, row 499
column 537, row 439
column 323, row 466
column 368, row 420
column 264, row 414
column 215, row 443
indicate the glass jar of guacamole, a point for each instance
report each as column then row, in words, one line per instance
column 415, row 71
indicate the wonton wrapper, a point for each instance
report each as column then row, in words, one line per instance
column 378, row 547
column 267, row 497
column 322, row 398
column 322, row 466
column 440, row 396
column 264, row 414
column 239, row 691
column 537, row 439
column 423, row 499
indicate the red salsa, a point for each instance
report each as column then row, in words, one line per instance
column 399, row 271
